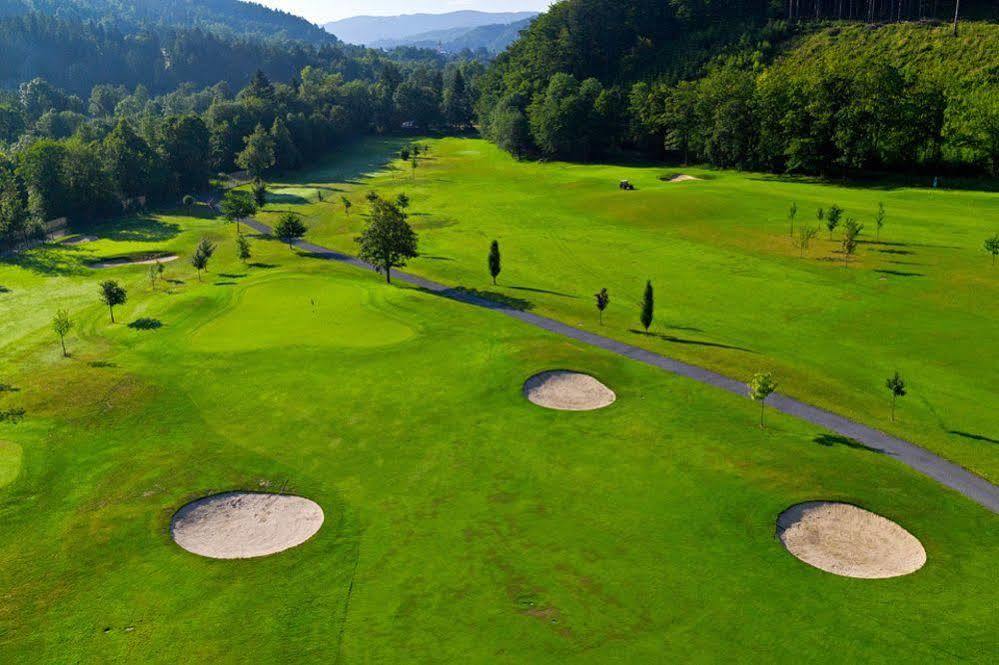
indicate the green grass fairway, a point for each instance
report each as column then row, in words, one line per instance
column 462, row 523
column 732, row 292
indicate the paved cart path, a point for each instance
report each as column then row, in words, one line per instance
column 947, row 473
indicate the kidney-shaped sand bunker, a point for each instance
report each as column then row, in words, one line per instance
column 568, row 391
column 843, row 539
column 242, row 525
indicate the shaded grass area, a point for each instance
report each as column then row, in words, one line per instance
column 720, row 255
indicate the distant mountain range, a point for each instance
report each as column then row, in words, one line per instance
column 430, row 29
column 494, row 38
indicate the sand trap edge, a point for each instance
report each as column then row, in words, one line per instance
column 117, row 263
column 192, row 537
column 567, row 390
column 801, row 538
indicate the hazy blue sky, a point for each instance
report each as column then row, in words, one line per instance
column 321, row 11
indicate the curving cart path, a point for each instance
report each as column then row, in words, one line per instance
column 974, row 487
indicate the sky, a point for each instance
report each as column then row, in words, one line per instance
column 323, row 11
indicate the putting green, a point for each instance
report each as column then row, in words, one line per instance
column 10, row 462
column 301, row 311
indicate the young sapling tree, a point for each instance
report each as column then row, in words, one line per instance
column 62, row 324
column 896, row 386
column 603, row 299
column 761, row 386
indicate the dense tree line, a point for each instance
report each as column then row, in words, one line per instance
column 67, row 157
column 736, row 84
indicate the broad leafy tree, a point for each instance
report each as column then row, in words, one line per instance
column 236, row 205
column 387, row 240
column 289, row 228
column 112, row 294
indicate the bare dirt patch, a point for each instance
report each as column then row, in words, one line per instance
column 846, row 540
column 79, row 240
column 564, row 390
column 243, row 525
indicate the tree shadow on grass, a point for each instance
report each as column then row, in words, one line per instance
column 227, row 283
column 50, row 259
column 101, row 364
column 137, row 229
column 900, row 273
column 895, row 251
column 551, row 293
column 487, row 299
column 679, row 340
column 831, row 440
column 262, row 266
column 974, row 437
column 145, row 323
column 232, row 275
column 4, row 289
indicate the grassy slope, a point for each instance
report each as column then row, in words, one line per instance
column 470, row 525
column 918, row 48
column 732, row 292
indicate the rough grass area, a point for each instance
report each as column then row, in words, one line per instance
column 462, row 523
column 732, row 291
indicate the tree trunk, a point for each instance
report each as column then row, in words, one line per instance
column 111, row 309
column 388, row 274
column 763, row 406
column 957, row 13
column 63, row 341
column 893, row 398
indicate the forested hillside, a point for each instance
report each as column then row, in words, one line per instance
column 223, row 17
column 90, row 160
column 753, row 84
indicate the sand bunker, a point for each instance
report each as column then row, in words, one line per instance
column 138, row 261
column 845, row 540
column 568, row 391
column 683, row 177
column 242, row 525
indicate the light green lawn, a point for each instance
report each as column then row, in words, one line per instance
column 732, row 292
column 463, row 524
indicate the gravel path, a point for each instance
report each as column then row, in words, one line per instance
column 947, row 473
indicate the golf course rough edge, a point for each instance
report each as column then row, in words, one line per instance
column 846, row 540
column 243, row 525
column 565, row 390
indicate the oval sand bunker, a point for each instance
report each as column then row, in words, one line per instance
column 242, row 525
column 845, row 540
column 568, row 391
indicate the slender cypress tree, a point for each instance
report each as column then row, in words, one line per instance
column 648, row 306
column 494, row 260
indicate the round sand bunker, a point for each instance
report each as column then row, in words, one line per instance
column 242, row 525
column 568, row 391
column 845, row 540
